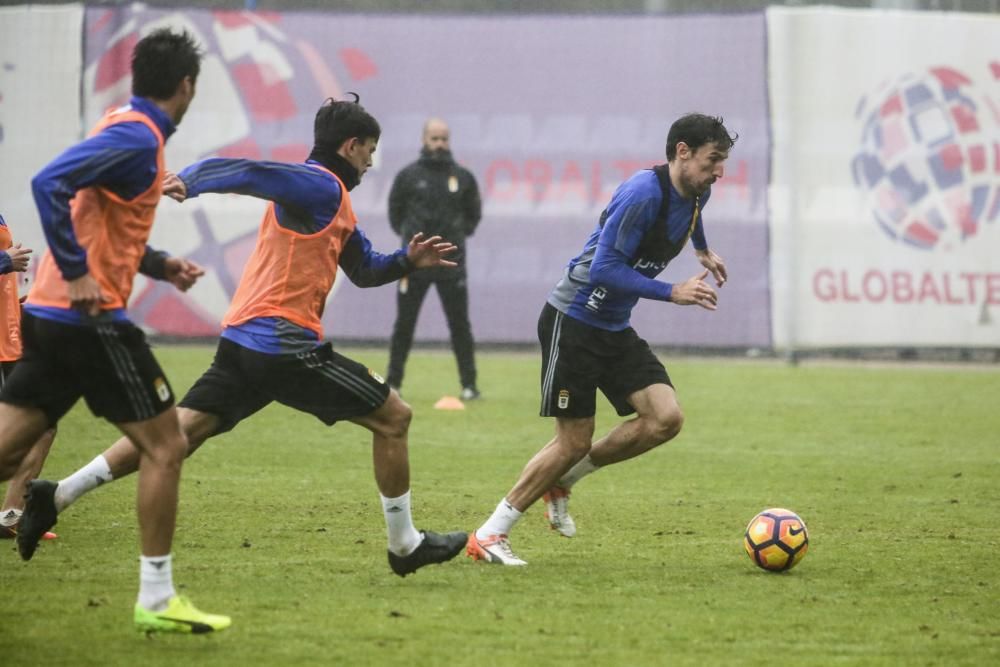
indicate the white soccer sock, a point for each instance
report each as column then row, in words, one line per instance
column 403, row 537
column 87, row 478
column 9, row 517
column 582, row 468
column 501, row 522
column 156, row 582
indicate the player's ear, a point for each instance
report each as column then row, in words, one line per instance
column 185, row 87
column 348, row 146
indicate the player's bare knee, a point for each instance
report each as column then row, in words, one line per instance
column 166, row 452
column 575, row 448
column 402, row 421
column 665, row 426
column 396, row 422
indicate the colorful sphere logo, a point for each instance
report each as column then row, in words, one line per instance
column 930, row 157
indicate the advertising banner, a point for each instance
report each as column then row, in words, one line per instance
column 885, row 192
column 550, row 113
column 40, row 63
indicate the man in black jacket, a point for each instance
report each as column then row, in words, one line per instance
column 436, row 196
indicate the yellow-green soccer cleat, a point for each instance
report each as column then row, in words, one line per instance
column 179, row 616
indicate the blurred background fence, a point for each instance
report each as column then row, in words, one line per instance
column 859, row 211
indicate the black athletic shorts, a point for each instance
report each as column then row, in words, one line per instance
column 578, row 359
column 321, row 382
column 110, row 365
column 6, row 368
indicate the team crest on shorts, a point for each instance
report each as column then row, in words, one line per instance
column 563, row 399
column 162, row 390
column 378, row 378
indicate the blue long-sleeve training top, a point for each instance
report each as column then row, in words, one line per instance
column 120, row 158
column 603, row 283
column 305, row 201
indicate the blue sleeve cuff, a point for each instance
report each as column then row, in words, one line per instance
column 73, row 272
column 6, row 263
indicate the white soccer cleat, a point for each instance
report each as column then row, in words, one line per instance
column 494, row 549
column 557, row 511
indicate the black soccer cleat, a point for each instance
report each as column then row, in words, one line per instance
column 39, row 515
column 434, row 548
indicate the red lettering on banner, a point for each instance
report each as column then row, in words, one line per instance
column 596, row 186
column 570, row 184
column 823, row 286
column 903, row 287
column 970, row 278
column 737, row 180
column 509, row 189
column 948, row 297
column 537, row 180
column 845, row 289
column 993, row 288
column 874, row 276
column 928, row 289
column 538, row 175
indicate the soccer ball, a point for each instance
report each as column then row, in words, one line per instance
column 776, row 539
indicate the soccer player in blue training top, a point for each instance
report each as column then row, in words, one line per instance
column 587, row 343
column 182, row 273
column 272, row 345
column 97, row 201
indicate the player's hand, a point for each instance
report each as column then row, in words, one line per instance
column 19, row 257
column 85, row 295
column 695, row 292
column 713, row 263
column 182, row 273
column 174, row 187
column 424, row 253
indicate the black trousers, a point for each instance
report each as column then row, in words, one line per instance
column 454, row 295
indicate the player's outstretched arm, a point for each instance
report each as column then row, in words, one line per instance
column 179, row 272
column 713, row 263
column 182, row 273
column 425, row 253
column 695, row 292
column 174, row 187
column 17, row 259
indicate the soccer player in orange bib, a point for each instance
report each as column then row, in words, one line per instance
column 182, row 273
column 96, row 202
column 272, row 346
column 14, row 259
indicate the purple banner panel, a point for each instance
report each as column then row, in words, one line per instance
column 550, row 113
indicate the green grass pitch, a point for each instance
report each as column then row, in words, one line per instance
column 895, row 470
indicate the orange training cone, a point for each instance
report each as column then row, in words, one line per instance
column 449, row 403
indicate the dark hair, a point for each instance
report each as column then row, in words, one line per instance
column 160, row 62
column 696, row 130
column 340, row 120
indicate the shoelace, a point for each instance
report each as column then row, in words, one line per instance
column 503, row 543
column 559, row 510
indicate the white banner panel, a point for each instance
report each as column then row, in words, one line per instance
column 885, row 193
column 40, row 63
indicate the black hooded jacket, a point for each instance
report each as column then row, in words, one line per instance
column 436, row 196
